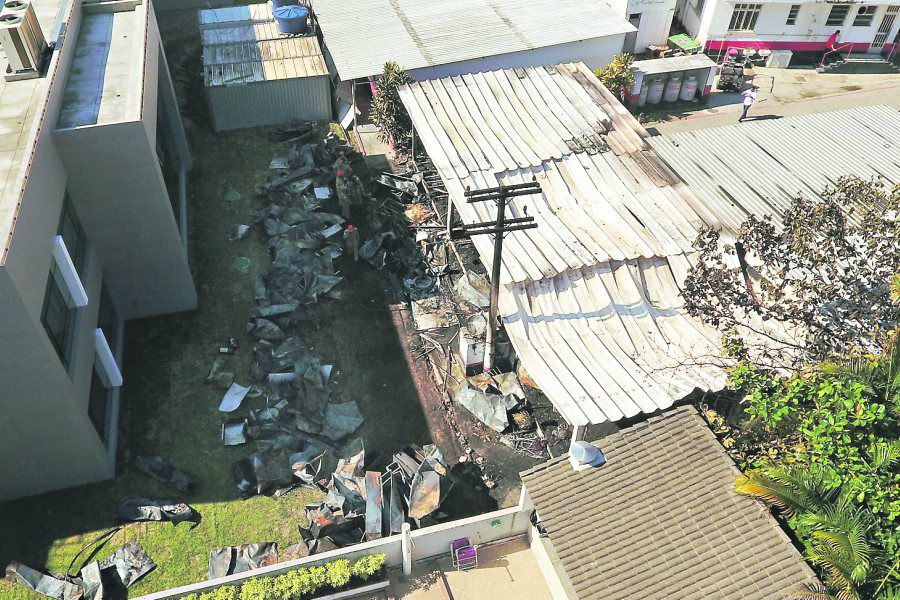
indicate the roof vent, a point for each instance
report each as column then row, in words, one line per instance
column 584, row 455
column 22, row 40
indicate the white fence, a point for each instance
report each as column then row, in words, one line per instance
column 427, row 542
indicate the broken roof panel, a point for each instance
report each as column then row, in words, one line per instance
column 424, row 33
column 610, row 341
column 242, row 44
column 660, row 519
column 800, row 156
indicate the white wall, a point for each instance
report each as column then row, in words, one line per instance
column 656, row 21
column 594, row 53
column 809, row 32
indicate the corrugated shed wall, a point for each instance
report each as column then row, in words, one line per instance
column 270, row 102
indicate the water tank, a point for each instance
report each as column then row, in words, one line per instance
column 672, row 88
column 688, row 88
column 292, row 19
column 280, row 3
column 642, row 97
column 655, row 91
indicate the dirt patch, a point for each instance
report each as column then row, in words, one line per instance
column 851, row 88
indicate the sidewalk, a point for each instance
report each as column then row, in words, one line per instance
column 781, row 103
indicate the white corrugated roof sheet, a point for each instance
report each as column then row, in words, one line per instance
column 758, row 167
column 363, row 35
column 242, row 44
column 591, row 297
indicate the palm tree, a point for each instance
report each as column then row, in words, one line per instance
column 838, row 544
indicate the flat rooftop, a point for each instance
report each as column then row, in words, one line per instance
column 242, row 44
column 104, row 84
column 21, row 107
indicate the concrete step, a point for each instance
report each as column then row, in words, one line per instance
column 861, row 64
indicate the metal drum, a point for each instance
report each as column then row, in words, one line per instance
column 672, row 88
column 688, row 88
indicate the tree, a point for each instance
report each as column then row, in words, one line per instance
column 388, row 111
column 819, row 283
column 617, row 76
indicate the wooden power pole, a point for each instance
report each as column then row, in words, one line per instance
column 498, row 228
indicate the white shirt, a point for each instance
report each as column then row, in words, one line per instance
column 749, row 97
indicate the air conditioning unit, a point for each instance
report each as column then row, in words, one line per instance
column 22, row 40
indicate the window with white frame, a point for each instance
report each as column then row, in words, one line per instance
column 792, row 15
column 744, row 17
column 864, row 16
column 838, row 15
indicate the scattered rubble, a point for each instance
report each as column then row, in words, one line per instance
column 106, row 580
column 238, row 559
column 146, row 509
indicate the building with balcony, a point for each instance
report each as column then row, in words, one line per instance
column 92, row 228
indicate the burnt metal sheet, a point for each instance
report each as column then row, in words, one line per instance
column 46, row 585
column 131, row 563
column 146, row 509
column 162, row 470
column 374, row 505
column 238, row 559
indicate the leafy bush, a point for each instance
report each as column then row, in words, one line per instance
column 259, row 589
column 226, row 592
column 617, row 76
column 368, row 566
column 388, row 111
column 822, row 446
column 300, row 583
column 337, row 573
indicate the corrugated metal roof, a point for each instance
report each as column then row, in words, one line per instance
column 590, row 299
column 660, row 520
column 606, row 196
column 611, row 341
column 758, row 167
column 362, row 36
column 242, row 44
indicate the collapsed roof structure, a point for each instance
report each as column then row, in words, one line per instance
column 591, row 297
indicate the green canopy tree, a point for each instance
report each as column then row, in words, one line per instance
column 388, row 111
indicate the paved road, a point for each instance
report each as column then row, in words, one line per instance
column 768, row 109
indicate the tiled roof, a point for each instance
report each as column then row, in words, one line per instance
column 660, row 520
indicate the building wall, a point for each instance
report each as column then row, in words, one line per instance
column 595, row 53
column 655, row 23
column 113, row 178
column 808, row 34
column 270, row 102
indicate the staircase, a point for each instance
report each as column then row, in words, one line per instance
column 860, row 63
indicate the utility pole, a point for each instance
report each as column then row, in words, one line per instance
column 498, row 228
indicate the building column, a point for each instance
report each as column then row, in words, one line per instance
column 406, row 549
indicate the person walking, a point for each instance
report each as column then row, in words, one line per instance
column 749, row 99
column 351, row 241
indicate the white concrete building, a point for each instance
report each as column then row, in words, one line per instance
column 652, row 18
column 92, row 227
column 802, row 26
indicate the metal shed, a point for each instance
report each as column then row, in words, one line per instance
column 254, row 75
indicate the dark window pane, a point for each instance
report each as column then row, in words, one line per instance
column 98, row 405
column 58, row 315
column 73, row 236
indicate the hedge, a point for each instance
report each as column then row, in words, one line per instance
column 300, row 583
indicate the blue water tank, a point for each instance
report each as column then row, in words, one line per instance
column 292, row 19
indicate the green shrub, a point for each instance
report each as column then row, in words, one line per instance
column 368, row 566
column 297, row 583
column 337, row 573
column 259, row 589
column 226, row 592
